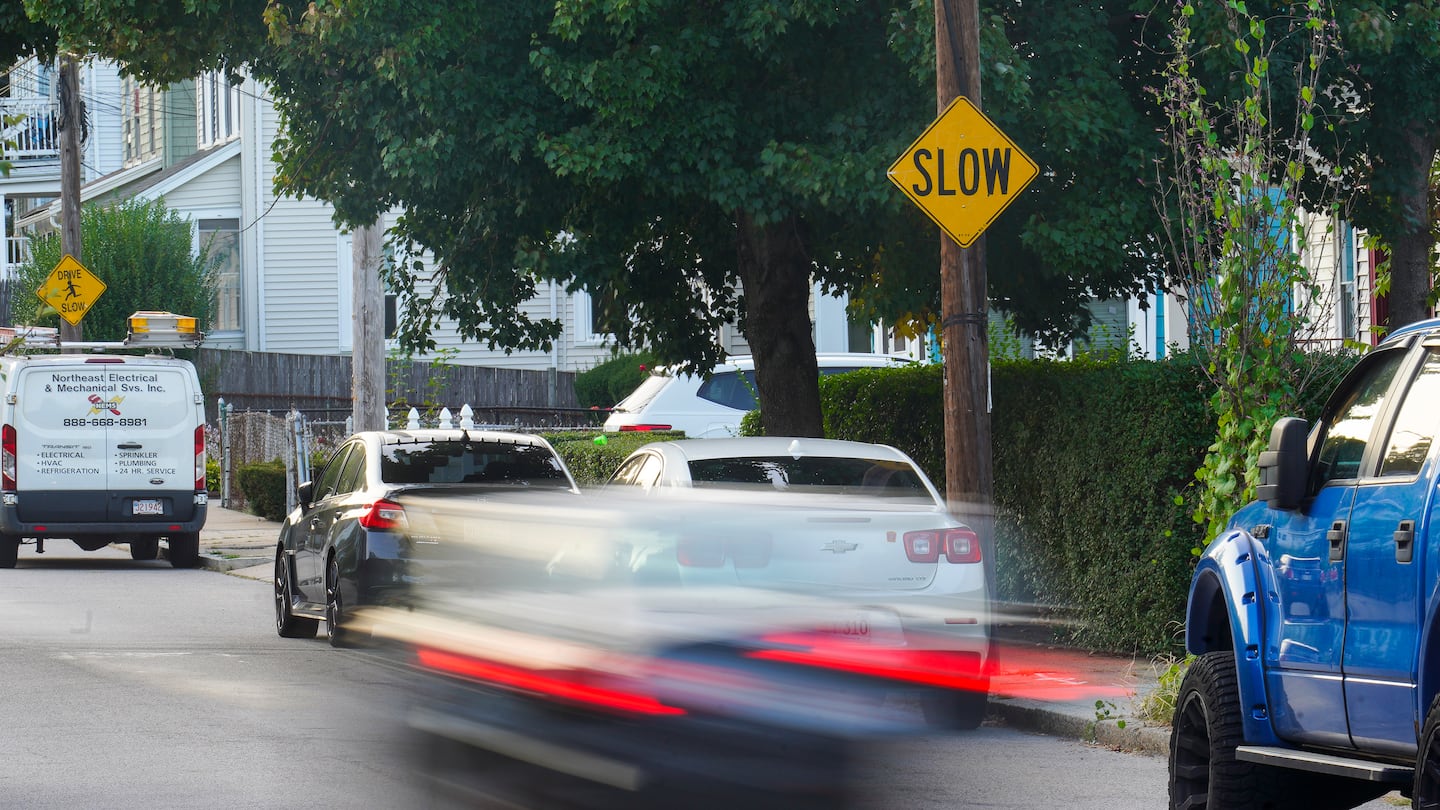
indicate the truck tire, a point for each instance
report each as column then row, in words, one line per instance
column 9, row 550
column 287, row 624
column 1427, row 761
column 144, row 548
column 185, row 550
column 1204, row 772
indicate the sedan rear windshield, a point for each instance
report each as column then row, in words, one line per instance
column 859, row 476
column 472, row 462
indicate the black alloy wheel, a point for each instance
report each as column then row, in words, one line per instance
column 287, row 624
column 335, row 607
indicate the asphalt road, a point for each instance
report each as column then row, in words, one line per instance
column 134, row 685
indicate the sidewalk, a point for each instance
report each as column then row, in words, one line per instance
column 1042, row 687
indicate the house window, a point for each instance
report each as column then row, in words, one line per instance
column 217, row 110
column 589, row 314
column 222, row 237
column 1347, row 283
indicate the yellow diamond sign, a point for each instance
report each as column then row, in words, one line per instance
column 963, row 171
column 71, row 289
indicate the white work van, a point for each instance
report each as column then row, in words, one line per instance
column 101, row 449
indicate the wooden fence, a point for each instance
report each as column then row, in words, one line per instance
column 319, row 385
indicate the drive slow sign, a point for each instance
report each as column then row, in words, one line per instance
column 963, row 171
column 71, row 289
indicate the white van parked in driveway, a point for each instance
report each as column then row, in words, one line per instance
column 101, row 449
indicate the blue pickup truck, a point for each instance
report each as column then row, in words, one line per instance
column 1315, row 617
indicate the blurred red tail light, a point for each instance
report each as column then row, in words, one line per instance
column 384, row 516
column 642, row 428
column 574, row 686
column 956, row 545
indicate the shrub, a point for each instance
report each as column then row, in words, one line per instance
column 592, row 464
column 613, row 380
column 263, row 485
column 212, row 475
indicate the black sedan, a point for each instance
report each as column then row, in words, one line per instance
column 349, row 542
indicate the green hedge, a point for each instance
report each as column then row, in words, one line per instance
column 1094, row 464
column 592, row 463
column 263, row 485
column 613, row 380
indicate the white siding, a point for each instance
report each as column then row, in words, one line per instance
column 213, row 194
column 104, row 151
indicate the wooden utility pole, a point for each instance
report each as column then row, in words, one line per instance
column 70, row 124
column 367, row 353
column 969, row 474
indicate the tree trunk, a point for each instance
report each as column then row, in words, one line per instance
column 1411, row 248
column 775, row 271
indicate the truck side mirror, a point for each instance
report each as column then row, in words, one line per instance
column 304, row 492
column 1285, row 467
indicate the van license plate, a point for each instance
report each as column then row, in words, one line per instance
column 148, row 506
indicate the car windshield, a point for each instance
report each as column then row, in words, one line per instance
column 858, row 476
column 470, row 462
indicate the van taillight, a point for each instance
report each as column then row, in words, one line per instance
column 200, row 459
column 955, row 545
column 384, row 516
column 7, row 458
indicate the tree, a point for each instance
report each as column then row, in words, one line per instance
column 1378, row 114
column 663, row 155
column 142, row 251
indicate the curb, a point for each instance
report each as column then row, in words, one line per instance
column 227, row 564
column 1135, row 737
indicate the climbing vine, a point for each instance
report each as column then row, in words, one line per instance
column 1237, row 234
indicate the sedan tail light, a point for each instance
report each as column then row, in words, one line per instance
column 384, row 516
column 955, row 545
column 642, row 428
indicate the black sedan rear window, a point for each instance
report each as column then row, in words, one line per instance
column 475, row 462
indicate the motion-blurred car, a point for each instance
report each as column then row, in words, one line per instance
column 849, row 520
column 711, row 407
column 349, row 541
column 571, row 663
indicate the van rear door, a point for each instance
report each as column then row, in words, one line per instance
column 117, row 438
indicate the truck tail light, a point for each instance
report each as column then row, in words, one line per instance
column 7, row 458
column 955, row 545
column 384, row 516
column 200, row 459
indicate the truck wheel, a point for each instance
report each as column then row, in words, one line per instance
column 1427, row 761
column 287, row 624
column 185, row 550
column 1204, row 772
column 335, row 607
column 144, row 548
column 9, row 550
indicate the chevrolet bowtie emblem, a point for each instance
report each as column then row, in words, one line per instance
column 839, row 546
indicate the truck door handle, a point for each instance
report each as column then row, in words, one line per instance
column 1336, row 536
column 1405, row 542
column 130, row 446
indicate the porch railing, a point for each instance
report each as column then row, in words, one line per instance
column 29, row 130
